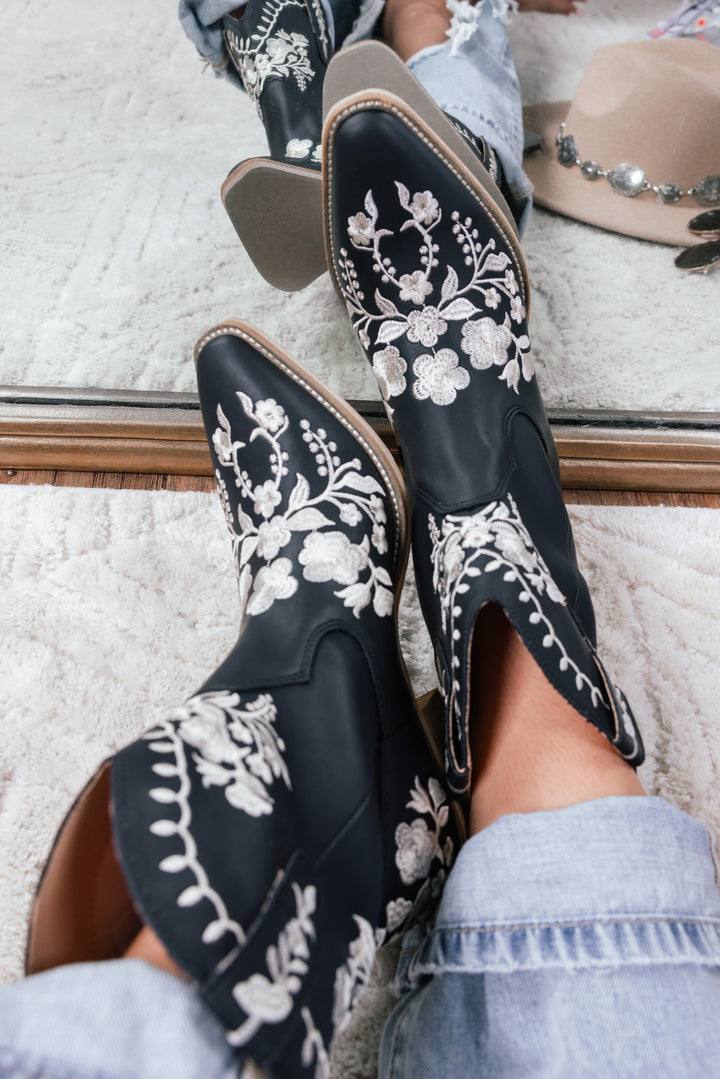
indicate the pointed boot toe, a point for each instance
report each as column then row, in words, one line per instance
column 286, row 820
column 432, row 276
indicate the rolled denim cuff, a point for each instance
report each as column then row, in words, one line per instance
column 612, row 882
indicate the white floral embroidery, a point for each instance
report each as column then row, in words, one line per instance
column 352, row 977
column 237, row 748
column 314, row 1048
column 299, row 148
column 266, row 519
column 490, row 281
column 271, row 52
column 418, row 845
column 439, row 377
column 389, row 368
column 496, row 537
column 270, row 999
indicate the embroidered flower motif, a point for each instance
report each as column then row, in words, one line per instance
column 270, row 999
column 267, row 54
column 272, row 582
column 350, row 515
column 316, row 155
column 267, row 497
column 222, row 444
column 417, row 847
column 425, row 208
column 272, row 536
column 489, row 284
column 298, row 148
column 486, row 343
column 425, row 326
column 389, row 368
column 342, row 493
column 415, row 287
column 270, row 415
column 517, row 309
column 361, row 230
column 330, row 556
column 439, row 377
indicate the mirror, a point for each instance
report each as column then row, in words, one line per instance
column 119, row 255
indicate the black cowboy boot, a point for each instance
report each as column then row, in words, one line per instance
column 276, row 205
column 430, row 270
column 280, row 49
column 286, row 819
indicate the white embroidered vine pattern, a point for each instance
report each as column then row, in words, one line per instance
column 314, row 1048
column 236, row 748
column 270, row 518
column 490, row 281
column 271, row 52
column 497, row 537
column 354, row 974
column 270, row 999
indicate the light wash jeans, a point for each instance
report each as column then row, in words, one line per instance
column 579, row 942
column 471, row 76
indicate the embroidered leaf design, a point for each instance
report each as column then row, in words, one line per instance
column 244, row 521
column 356, row 596
column 389, row 331
column 247, row 404
column 159, row 747
column 190, row 896
column 460, row 309
column 383, row 602
column 271, row 959
column 299, row 493
column 163, row 827
column 450, row 285
column 213, row 932
column 419, row 800
column 386, row 306
column 403, row 195
column 306, row 520
column 167, row 770
column 370, row 207
column 224, row 422
column 367, row 484
column 497, row 262
column 436, row 792
column 175, row 863
column 162, row 794
column 383, row 577
column 247, row 550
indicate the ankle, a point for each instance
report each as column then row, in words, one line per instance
column 531, row 750
column 408, row 26
column 148, row 947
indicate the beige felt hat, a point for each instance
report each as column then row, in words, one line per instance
column 654, row 105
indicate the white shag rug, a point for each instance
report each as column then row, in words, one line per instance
column 116, row 605
column 118, row 253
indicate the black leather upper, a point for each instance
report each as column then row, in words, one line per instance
column 438, row 297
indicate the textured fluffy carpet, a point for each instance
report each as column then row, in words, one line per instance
column 118, row 253
column 117, row 604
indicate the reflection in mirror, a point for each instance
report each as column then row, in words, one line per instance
column 119, row 254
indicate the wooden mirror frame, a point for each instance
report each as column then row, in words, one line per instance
column 159, row 433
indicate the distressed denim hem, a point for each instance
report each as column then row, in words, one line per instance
column 568, row 947
column 613, row 881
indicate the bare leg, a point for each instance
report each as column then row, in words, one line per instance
column 530, row 749
column 411, row 25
